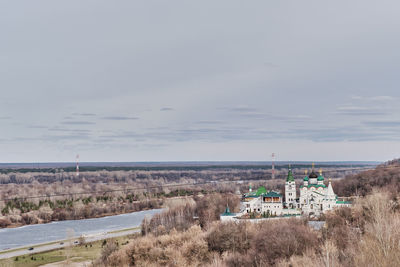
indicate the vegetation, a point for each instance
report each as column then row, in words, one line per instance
column 385, row 176
column 169, row 167
column 190, row 234
column 88, row 252
column 30, row 196
column 22, row 212
column 367, row 234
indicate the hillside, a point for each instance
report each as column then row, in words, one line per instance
column 386, row 176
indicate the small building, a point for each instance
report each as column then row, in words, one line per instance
column 272, row 204
column 227, row 215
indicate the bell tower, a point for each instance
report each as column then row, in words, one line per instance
column 290, row 190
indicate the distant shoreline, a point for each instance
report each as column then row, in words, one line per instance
column 178, row 164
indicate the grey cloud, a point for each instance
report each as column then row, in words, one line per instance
column 359, row 111
column 382, row 98
column 340, row 133
column 78, row 123
column 243, row 109
column 119, row 118
column 209, row 122
column 57, row 129
column 37, row 127
column 65, row 137
column 271, row 65
column 239, row 109
column 84, row 114
column 167, row 109
column 268, row 91
column 289, row 118
column 382, row 123
column 52, row 138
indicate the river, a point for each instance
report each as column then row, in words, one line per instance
column 43, row 233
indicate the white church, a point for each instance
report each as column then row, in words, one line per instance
column 315, row 199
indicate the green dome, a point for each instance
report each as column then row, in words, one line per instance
column 320, row 178
column 261, row 190
column 306, row 178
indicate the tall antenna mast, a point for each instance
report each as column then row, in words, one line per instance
column 77, row 165
column 273, row 166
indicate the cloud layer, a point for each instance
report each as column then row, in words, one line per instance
column 226, row 80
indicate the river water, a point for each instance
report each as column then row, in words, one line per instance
column 44, row 233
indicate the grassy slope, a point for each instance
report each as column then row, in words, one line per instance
column 76, row 253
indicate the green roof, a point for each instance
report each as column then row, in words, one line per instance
column 306, row 178
column 314, row 185
column 320, row 178
column 290, row 177
column 272, row 194
column 343, row 202
column 261, row 190
column 291, row 215
column 227, row 212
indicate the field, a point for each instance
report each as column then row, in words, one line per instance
column 85, row 253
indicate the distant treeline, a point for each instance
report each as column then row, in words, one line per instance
column 173, row 168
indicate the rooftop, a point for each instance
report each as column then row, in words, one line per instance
column 272, row 194
column 228, row 212
column 314, row 185
column 343, row 202
column 261, row 190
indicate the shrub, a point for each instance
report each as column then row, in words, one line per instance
column 4, row 222
column 230, row 236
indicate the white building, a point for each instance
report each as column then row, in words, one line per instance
column 290, row 190
column 315, row 198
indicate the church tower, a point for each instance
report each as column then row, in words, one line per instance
column 320, row 179
column 313, row 176
column 305, row 178
column 290, row 190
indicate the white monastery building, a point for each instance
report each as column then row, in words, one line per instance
column 315, row 198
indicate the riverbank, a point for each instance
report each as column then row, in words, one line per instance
column 33, row 235
column 78, row 255
column 17, row 225
column 64, row 244
column 166, row 202
column 29, row 213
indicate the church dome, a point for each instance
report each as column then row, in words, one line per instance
column 313, row 175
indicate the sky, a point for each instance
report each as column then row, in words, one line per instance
column 199, row 80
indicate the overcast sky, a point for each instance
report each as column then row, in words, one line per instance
column 199, row 80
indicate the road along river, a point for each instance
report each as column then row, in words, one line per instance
column 30, row 235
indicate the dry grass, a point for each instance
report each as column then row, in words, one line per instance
column 368, row 234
